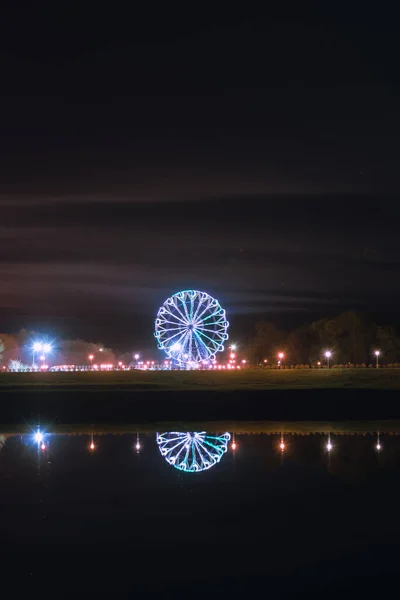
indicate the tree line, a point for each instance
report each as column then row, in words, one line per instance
column 352, row 337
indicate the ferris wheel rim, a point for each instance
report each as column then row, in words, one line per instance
column 191, row 327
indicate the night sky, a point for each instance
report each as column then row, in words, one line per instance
column 253, row 156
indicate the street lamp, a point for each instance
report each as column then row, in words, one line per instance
column 91, row 357
column 37, row 346
column 377, row 353
column 281, row 356
column 40, row 347
column 328, row 355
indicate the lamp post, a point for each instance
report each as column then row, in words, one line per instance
column 37, row 346
column 91, row 357
column 328, row 355
column 281, row 356
column 377, row 353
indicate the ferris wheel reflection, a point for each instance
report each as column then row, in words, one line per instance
column 192, row 452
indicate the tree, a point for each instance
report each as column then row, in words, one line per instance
column 267, row 342
column 388, row 342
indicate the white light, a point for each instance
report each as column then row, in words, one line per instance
column 175, row 347
column 328, row 354
column 329, row 446
column 38, row 437
column 37, row 346
column 282, row 446
column 136, row 356
column 137, row 446
column 378, row 446
column 43, row 446
column 377, row 352
column 233, row 347
column 46, row 348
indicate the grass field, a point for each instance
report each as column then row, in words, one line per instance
column 378, row 379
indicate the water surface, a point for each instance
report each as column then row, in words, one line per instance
column 110, row 512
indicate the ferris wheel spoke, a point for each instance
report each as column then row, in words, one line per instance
column 181, row 319
column 216, row 330
column 206, row 349
column 220, row 318
column 198, row 317
column 200, row 303
column 196, row 342
column 201, row 446
column 185, row 313
column 184, row 318
column 171, row 337
column 211, row 340
column 180, row 328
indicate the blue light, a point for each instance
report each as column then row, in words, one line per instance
column 191, row 327
column 38, row 437
column 192, row 452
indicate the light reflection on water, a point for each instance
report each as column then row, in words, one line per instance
column 278, row 503
column 196, row 452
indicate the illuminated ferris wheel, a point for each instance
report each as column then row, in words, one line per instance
column 191, row 327
column 192, row 452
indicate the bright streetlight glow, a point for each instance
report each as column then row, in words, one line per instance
column 233, row 445
column 37, row 346
column 329, row 444
column 38, row 437
column 328, row 355
column 136, row 356
column 46, row 348
column 43, row 446
column 233, row 346
column 377, row 353
column 281, row 355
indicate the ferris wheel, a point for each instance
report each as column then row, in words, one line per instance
column 192, row 451
column 191, row 327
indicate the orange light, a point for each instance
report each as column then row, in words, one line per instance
column 282, row 446
column 92, row 446
column 233, row 445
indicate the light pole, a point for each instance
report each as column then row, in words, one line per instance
column 37, row 346
column 281, row 356
column 91, row 357
column 328, row 355
column 377, row 353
